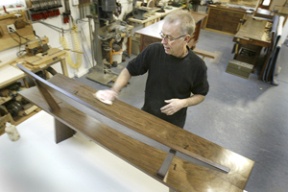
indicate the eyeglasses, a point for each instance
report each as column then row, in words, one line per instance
column 169, row 37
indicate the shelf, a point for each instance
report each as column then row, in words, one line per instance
column 19, row 120
column 18, row 111
column 4, row 100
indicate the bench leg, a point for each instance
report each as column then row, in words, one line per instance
column 62, row 131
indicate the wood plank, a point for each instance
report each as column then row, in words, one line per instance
column 53, row 106
column 204, row 53
column 182, row 176
column 62, row 131
column 42, row 83
column 75, row 93
column 163, row 132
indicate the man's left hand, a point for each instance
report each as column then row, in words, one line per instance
column 173, row 106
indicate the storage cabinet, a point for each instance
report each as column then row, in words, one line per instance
column 147, row 40
column 224, row 19
column 10, row 74
column 13, row 107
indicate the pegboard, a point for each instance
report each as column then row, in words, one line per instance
column 23, row 30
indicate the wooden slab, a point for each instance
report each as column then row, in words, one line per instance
column 182, row 175
column 71, row 93
column 163, row 132
column 204, row 53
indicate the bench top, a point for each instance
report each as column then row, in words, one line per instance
column 182, row 175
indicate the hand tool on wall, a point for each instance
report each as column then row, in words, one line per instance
column 84, row 8
column 39, row 10
column 66, row 14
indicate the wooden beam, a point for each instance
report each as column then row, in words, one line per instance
column 204, row 53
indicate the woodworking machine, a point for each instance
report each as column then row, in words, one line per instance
column 102, row 15
column 37, row 46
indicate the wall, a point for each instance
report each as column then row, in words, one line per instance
column 54, row 36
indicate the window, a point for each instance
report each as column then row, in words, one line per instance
column 13, row 3
column 265, row 4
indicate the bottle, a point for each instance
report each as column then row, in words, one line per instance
column 12, row 132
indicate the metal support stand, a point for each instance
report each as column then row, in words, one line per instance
column 98, row 73
column 166, row 164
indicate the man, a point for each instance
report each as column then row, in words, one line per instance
column 177, row 77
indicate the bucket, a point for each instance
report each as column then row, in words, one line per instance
column 117, row 56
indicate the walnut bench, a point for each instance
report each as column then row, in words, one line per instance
column 72, row 105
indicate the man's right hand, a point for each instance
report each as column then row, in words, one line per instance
column 106, row 96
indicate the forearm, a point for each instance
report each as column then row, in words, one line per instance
column 193, row 100
column 121, row 81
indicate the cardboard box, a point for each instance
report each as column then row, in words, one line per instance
column 239, row 68
column 117, row 56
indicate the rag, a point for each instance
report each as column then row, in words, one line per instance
column 105, row 96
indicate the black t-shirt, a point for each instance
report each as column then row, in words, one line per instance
column 169, row 77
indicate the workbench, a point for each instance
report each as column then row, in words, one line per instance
column 255, row 31
column 9, row 73
column 71, row 103
column 252, row 37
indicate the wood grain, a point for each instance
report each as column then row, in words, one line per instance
column 182, row 175
column 161, row 131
